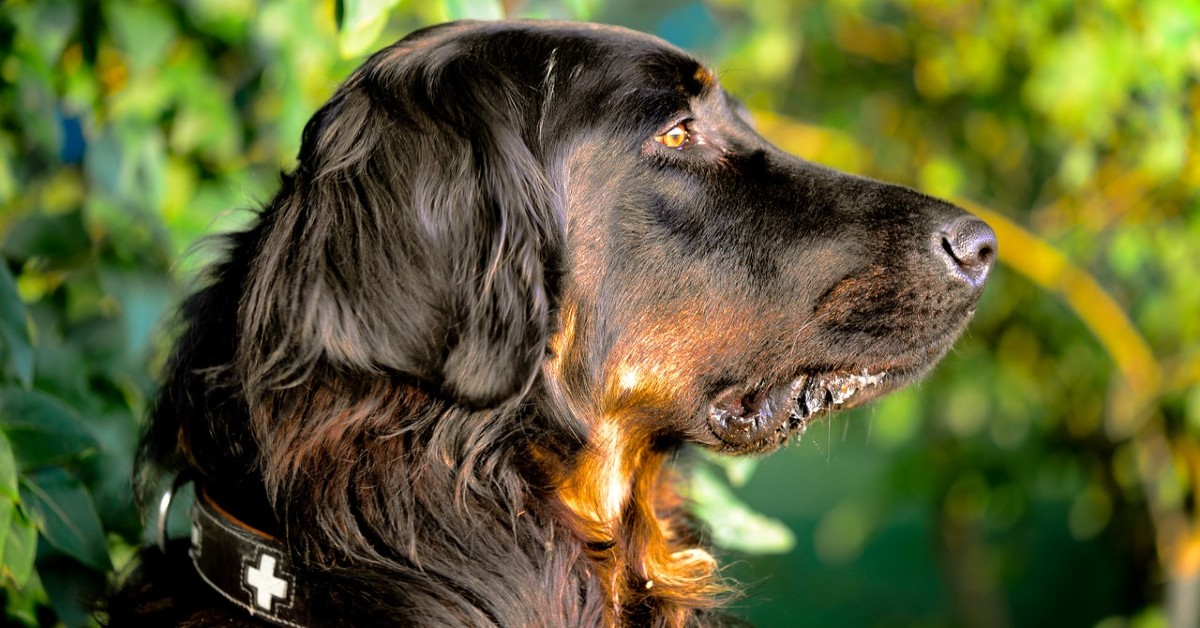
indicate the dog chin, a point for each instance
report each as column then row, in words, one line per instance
column 766, row 417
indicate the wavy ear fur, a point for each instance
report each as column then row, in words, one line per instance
column 420, row 237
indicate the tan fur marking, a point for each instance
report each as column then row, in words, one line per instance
column 600, row 484
column 617, row 490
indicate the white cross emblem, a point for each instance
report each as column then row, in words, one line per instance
column 267, row 585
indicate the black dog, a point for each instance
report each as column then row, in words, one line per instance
column 518, row 266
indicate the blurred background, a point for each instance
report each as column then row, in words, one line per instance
column 1044, row 475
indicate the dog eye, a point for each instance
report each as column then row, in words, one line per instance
column 676, row 137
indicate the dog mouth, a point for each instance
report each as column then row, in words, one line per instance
column 767, row 416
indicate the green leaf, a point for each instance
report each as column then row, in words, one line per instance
column 144, row 32
column 582, row 9
column 9, row 494
column 8, row 509
column 474, row 9
column 59, row 240
column 362, row 24
column 738, row 469
column 8, row 473
column 36, row 108
column 14, row 328
column 47, row 25
column 42, row 429
column 732, row 523
column 20, row 548
column 207, row 122
column 8, row 180
column 66, row 516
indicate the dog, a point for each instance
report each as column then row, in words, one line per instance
column 518, row 267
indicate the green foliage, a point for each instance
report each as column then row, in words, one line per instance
column 362, row 23
column 1078, row 120
column 129, row 130
column 1048, row 446
column 66, row 516
column 42, row 430
column 18, row 348
column 732, row 524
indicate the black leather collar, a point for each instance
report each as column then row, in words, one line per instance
column 246, row 566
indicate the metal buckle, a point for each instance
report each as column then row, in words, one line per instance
column 164, row 510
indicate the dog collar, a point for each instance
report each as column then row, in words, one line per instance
column 246, row 566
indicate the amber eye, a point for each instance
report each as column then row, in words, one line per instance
column 676, row 137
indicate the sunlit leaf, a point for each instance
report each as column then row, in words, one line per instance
column 941, row 176
column 362, row 23
column 474, row 9
column 738, row 469
column 8, row 508
column 582, row 9
column 9, row 491
column 206, row 122
column 1193, row 411
column 20, row 548
column 8, row 182
column 732, row 524
column 225, row 19
column 66, row 516
column 8, row 473
column 143, row 31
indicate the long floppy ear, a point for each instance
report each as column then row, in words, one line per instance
column 418, row 237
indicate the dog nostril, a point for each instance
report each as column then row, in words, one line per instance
column 971, row 245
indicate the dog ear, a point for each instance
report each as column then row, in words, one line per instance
column 419, row 237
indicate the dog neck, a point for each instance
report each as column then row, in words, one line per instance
column 622, row 495
column 247, row 566
column 411, row 504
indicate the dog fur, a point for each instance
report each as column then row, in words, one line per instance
column 452, row 359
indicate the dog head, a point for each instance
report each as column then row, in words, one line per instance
column 481, row 204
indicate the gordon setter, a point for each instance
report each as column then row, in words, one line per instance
column 518, row 266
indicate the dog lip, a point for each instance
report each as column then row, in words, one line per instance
column 766, row 417
column 832, row 390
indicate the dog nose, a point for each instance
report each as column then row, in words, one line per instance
column 970, row 245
